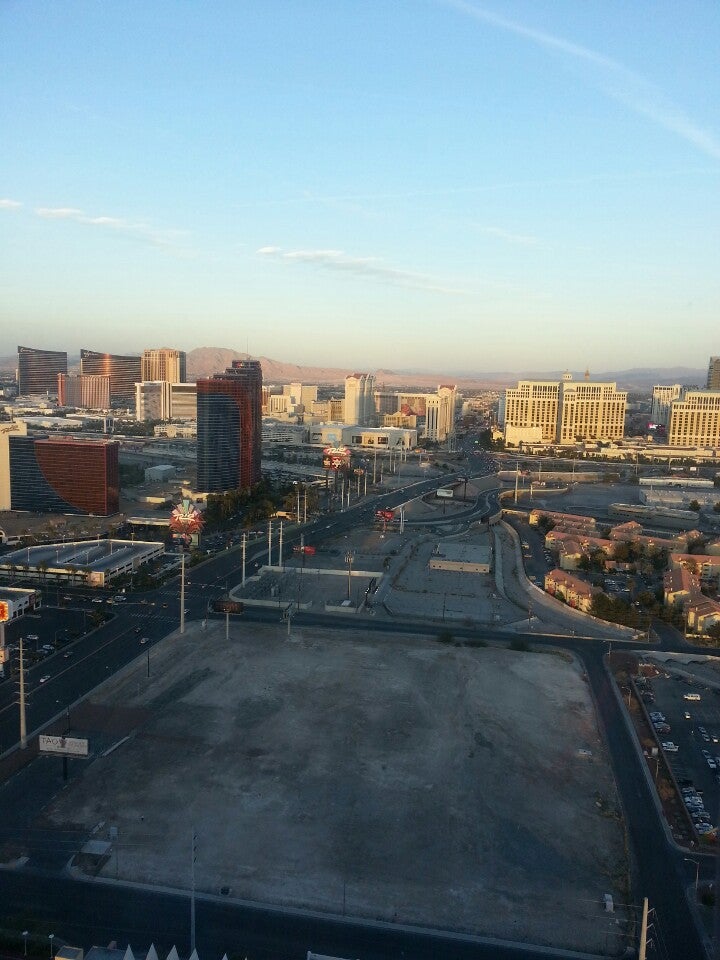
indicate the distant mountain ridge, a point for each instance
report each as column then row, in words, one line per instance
column 206, row 361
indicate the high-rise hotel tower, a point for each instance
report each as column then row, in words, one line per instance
column 37, row 370
column 229, row 428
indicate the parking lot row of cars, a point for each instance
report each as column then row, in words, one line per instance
column 695, row 806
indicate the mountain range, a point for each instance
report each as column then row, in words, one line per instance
column 205, row 361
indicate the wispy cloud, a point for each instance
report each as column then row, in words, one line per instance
column 7, row 204
column 170, row 240
column 616, row 80
column 371, row 268
column 517, row 238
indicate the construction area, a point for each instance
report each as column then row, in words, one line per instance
column 373, row 775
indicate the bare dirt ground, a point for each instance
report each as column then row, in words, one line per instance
column 396, row 778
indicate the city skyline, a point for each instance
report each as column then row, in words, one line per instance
column 490, row 180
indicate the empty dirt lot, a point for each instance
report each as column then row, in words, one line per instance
column 409, row 780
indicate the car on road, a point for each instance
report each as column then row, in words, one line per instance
column 32, row 636
column 45, row 678
column 144, row 640
column 687, row 715
column 669, row 747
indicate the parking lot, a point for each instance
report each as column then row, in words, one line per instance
column 686, row 714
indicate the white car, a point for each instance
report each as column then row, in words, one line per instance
column 669, row 746
column 45, row 678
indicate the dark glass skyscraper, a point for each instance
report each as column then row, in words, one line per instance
column 124, row 373
column 61, row 475
column 229, row 428
column 38, row 370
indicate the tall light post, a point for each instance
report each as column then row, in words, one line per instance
column 51, row 937
column 185, row 522
column 349, row 561
column 25, row 935
column 23, row 721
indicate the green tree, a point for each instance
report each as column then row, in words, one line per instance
column 694, row 505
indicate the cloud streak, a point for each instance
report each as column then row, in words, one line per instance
column 7, row 204
column 370, row 268
column 522, row 239
column 168, row 240
column 617, row 81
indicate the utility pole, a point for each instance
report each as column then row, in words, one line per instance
column 280, row 544
column 23, row 723
column 642, row 948
column 305, row 504
column 193, row 856
column 244, row 549
column 269, row 543
column 182, row 588
column 517, row 474
column 349, row 562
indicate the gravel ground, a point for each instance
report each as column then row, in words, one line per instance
column 409, row 780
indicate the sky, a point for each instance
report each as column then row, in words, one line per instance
column 436, row 185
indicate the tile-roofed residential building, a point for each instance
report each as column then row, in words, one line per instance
column 577, row 520
column 703, row 565
column 574, row 591
column 626, row 531
column 702, row 613
column 679, row 586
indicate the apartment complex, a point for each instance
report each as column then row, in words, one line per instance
column 87, row 391
column 60, row 475
column 124, row 373
column 564, row 412
column 229, row 428
column 164, row 364
column 695, row 419
column 37, row 370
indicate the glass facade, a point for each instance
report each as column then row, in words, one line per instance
column 229, row 428
column 124, row 373
column 38, row 370
column 64, row 476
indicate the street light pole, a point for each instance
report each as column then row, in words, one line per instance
column 349, row 562
column 23, row 721
column 182, row 588
column 697, row 872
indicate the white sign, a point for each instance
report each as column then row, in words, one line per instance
column 444, row 492
column 67, row 746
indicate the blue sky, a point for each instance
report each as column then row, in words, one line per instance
column 434, row 184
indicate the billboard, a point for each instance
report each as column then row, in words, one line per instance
column 228, row 606
column 336, row 458
column 444, row 492
column 386, row 515
column 63, row 746
column 4, row 611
